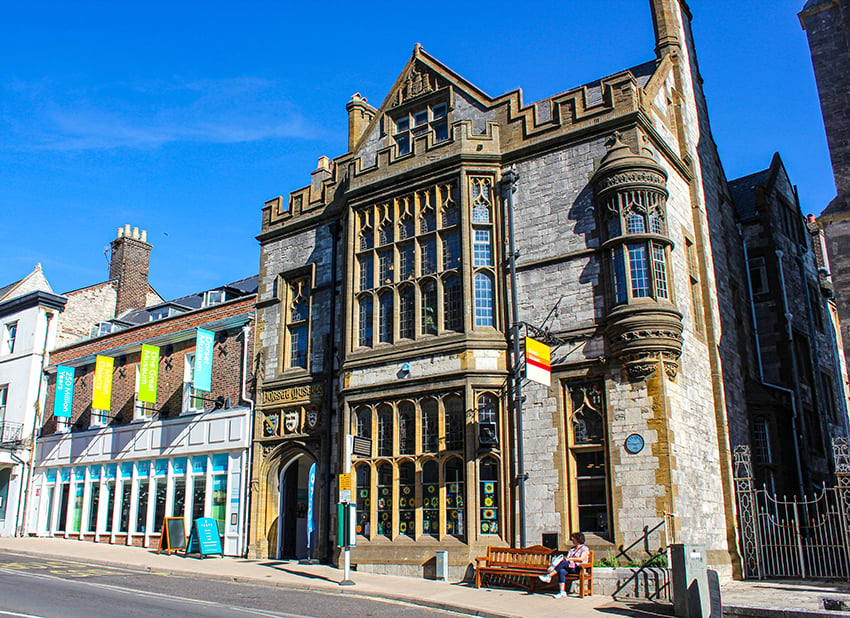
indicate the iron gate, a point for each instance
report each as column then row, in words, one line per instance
column 794, row 537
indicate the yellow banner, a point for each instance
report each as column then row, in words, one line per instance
column 102, row 394
column 537, row 361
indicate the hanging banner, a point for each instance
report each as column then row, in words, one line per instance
column 203, row 360
column 538, row 361
column 64, row 399
column 311, row 488
column 148, row 373
column 102, row 393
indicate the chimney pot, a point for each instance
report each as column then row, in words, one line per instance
column 136, row 233
column 120, row 232
column 127, row 229
column 144, row 236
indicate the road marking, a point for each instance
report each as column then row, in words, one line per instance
column 142, row 593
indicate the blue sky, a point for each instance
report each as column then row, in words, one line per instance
column 183, row 118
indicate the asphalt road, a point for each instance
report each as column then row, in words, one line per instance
column 37, row 587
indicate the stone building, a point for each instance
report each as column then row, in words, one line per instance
column 827, row 25
column 28, row 324
column 111, row 472
column 385, row 312
column 795, row 398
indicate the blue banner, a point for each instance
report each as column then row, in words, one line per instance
column 64, row 399
column 311, row 487
column 203, row 360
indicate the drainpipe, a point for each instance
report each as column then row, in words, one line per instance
column 764, row 382
column 813, row 346
column 248, row 462
column 329, row 387
column 22, row 517
column 509, row 180
column 798, row 421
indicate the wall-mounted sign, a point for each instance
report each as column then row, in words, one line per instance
column 148, row 373
column 64, row 400
column 538, row 361
column 203, row 360
column 309, row 392
column 634, row 443
column 102, row 390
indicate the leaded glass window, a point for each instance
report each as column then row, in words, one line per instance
column 363, row 475
column 385, row 431
column 299, row 323
column 406, row 261
column 429, row 308
column 386, row 268
column 406, row 429
column 428, row 252
column 454, row 422
column 385, row 318
column 367, row 272
column 385, row 500
column 430, row 427
column 639, row 265
column 365, row 338
column 454, row 497
column 430, row 498
column 451, row 250
column 453, row 304
column 406, row 312
column 483, row 300
column 482, row 253
column 488, row 498
column 407, row 499
column 364, row 422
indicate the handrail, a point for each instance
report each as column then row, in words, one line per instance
column 653, row 555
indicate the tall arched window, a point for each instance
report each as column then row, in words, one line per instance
column 488, row 419
column 431, row 498
column 483, row 300
column 385, row 431
column 406, row 428
column 407, row 499
column 364, row 422
column 363, row 474
column 454, row 497
column 452, row 304
column 430, row 426
column 385, row 500
column 406, row 312
column 385, row 318
column 488, row 498
column 429, row 307
column 454, row 422
column 365, row 338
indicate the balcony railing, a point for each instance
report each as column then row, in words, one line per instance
column 10, row 434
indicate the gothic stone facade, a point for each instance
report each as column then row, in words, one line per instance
column 384, row 312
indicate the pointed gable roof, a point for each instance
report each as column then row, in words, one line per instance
column 33, row 282
column 422, row 75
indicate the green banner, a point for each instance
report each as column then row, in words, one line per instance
column 148, row 373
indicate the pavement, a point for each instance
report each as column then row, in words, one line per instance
column 781, row 599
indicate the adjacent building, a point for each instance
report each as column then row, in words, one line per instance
column 795, row 396
column 29, row 311
column 112, row 462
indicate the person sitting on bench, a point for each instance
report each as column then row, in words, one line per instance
column 569, row 564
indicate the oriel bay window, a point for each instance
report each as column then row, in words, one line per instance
column 587, row 446
column 417, row 470
column 408, row 257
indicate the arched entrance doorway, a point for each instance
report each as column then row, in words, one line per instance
column 297, row 508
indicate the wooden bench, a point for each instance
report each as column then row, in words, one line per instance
column 521, row 567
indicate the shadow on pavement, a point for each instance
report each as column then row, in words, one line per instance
column 280, row 566
column 638, row 608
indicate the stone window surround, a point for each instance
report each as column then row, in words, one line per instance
column 283, row 292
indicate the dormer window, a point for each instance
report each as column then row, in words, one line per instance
column 101, row 328
column 161, row 313
column 419, row 121
column 214, row 297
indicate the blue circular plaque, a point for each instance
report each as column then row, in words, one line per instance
column 634, row 443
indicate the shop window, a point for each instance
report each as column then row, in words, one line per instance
column 407, row 499
column 439, row 494
column 363, row 502
column 219, row 500
column 488, row 499
column 586, row 421
column 455, row 525
column 110, row 506
column 385, row 500
column 431, row 498
column 94, row 503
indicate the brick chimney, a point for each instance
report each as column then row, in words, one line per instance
column 131, row 256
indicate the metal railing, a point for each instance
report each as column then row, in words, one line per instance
column 651, row 557
column 10, row 434
column 801, row 537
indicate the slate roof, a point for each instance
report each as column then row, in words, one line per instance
column 243, row 287
column 743, row 192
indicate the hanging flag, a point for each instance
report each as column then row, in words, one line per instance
column 538, row 366
column 64, row 399
column 311, row 488
column 203, row 360
column 148, row 373
column 102, row 393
